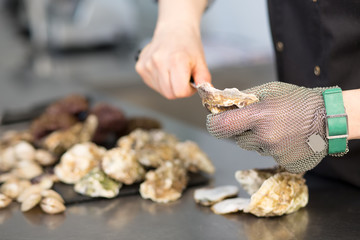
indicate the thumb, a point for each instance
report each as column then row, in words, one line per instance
column 201, row 73
column 233, row 122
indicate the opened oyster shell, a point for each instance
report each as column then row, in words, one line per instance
column 166, row 183
column 194, row 158
column 209, row 196
column 230, row 205
column 122, row 165
column 217, row 101
column 78, row 161
column 282, row 193
column 97, row 184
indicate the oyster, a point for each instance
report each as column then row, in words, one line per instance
column 209, row 196
column 52, row 205
column 166, row 183
column 7, row 159
column 194, row 158
column 19, row 151
column 97, row 184
column 152, row 147
column 60, row 141
column 217, row 101
column 282, row 193
column 122, row 165
column 44, row 157
column 230, row 205
column 4, row 201
column 30, row 202
column 13, row 187
column 78, row 161
column 252, row 179
column 27, row 169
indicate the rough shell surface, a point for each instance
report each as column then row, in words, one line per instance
column 60, row 141
column 30, row 202
column 13, row 187
column 230, row 205
column 78, row 161
column 97, row 184
column 152, row 147
column 166, row 183
column 122, row 165
column 52, row 205
column 216, row 100
column 4, row 201
column 209, row 196
column 194, row 158
column 282, row 193
column 252, row 179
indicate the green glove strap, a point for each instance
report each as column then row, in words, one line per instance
column 336, row 121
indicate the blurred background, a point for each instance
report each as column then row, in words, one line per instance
column 51, row 48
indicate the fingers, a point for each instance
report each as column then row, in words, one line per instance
column 233, row 122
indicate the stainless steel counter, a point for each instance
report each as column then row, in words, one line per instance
column 333, row 211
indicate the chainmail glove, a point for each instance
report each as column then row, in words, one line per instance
column 279, row 125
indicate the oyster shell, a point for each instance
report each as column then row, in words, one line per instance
column 166, row 183
column 152, row 147
column 27, row 169
column 30, row 202
column 217, row 101
column 122, row 165
column 194, row 158
column 282, row 193
column 78, row 161
column 209, row 196
column 13, row 187
column 60, row 141
column 230, row 205
column 97, row 184
column 52, row 205
column 44, row 157
column 4, row 201
column 252, row 179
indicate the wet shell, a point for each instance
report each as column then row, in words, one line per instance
column 97, row 184
column 230, row 205
column 48, row 193
column 209, row 196
column 282, row 193
column 13, row 187
column 4, row 201
column 166, row 183
column 30, row 202
column 78, row 161
column 194, row 158
column 122, row 165
column 216, row 100
column 52, row 205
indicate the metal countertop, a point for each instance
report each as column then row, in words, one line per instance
column 333, row 211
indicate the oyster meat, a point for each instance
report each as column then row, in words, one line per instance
column 97, row 184
column 209, row 196
column 194, row 158
column 166, row 183
column 78, row 161
column 122, row 165
column 230, row 205
column 217, row 101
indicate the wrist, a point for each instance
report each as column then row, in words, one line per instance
column 351, row 104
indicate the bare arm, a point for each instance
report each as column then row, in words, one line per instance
column 352, row 107
column 175, row 52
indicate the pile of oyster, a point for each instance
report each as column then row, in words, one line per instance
column 97, row 150
column 274, row 192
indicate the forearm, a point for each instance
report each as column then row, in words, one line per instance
column 352, row 107
column 187, row 12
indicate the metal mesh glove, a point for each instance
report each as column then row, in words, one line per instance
column 279, row 125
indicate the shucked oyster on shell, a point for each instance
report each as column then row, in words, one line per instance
column 122, row 165
column 209, row 196
column 97, row 184
column 166, row 183
column 217, row 101
column 230, row 205
column 78, row 161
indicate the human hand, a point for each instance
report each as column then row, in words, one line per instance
column 279, row 125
